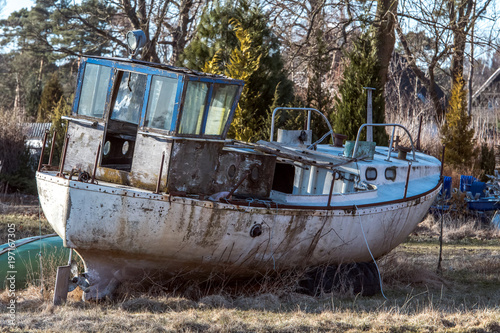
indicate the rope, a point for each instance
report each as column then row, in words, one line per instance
column 368, row 247
column 320, row 140
column 369, row 250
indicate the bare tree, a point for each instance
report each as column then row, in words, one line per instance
column 297, row 23
column 99, row 27
column 434, row 34
column 168, row 25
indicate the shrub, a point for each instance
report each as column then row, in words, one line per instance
column 486, row 162
column 16, row 172
column 455, row 133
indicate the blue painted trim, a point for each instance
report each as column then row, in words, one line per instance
column 109, row 96
column 79, row 80
column 215, row 80
column 145, row 100
column 133, row 67
column 205, row 111
column 178, row 100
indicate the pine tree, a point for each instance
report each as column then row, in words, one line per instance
column 455, row 133
column 487, row 162
column 215, row 35
column 51, row 94
column 243, row 62
column 361, row 71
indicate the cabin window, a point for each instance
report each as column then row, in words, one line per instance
column 129, row 97
column 194, row 106
column 371, row 174
column 220, row 106
column 390, row 173
column 94, row 90
column 161, row 102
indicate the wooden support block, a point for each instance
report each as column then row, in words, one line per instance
column 62, row 283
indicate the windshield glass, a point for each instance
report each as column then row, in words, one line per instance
column 94, row 90
column 161, row 102
column 129, row 97
column 222, row 101
column 194, row 106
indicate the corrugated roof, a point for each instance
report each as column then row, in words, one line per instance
column 36, row 130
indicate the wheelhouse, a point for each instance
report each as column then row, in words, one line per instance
column 128, row 116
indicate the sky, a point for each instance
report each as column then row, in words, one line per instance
column 14, row 5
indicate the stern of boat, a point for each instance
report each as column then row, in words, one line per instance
column 53, row 193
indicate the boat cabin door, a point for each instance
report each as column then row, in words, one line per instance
column 123, row 120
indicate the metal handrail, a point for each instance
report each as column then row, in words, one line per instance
column 308, row 127
column 392, row 139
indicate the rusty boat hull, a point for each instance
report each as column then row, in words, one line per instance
column 149, row 182
column 123, row 232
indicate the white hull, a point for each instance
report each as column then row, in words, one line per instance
column 118, row 229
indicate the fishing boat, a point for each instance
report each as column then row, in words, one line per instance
column 149, row 182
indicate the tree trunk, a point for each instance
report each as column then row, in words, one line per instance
column 459, row 21
column 384, row 34
column 180, row 34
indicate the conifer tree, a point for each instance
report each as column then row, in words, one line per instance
column 455, row 133
column 361, row 71
column 243, row 62
column 487, row 161
column 216, row 36
column 51, row 94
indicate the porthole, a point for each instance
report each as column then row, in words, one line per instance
column 255, row 174
column 231, row 172
column 107, row 148
column 125, row 147
column 390, row 173
column 371, row 174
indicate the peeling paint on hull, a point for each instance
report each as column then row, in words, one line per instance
column 120, row 230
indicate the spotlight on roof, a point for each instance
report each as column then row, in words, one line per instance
column 135, row 40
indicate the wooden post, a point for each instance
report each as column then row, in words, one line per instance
column 62, row 284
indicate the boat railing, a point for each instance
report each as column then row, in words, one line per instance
column 392, row 138
column 308, row 126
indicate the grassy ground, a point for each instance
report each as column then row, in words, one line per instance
column 27, row 224
column 463, row 297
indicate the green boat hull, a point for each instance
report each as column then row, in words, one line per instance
column 20, row 266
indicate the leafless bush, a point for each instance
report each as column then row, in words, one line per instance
column 11, row 142
column 397, row 270
column 457, row 227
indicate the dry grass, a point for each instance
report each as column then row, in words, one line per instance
column 463, row 298
column 28, row 223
